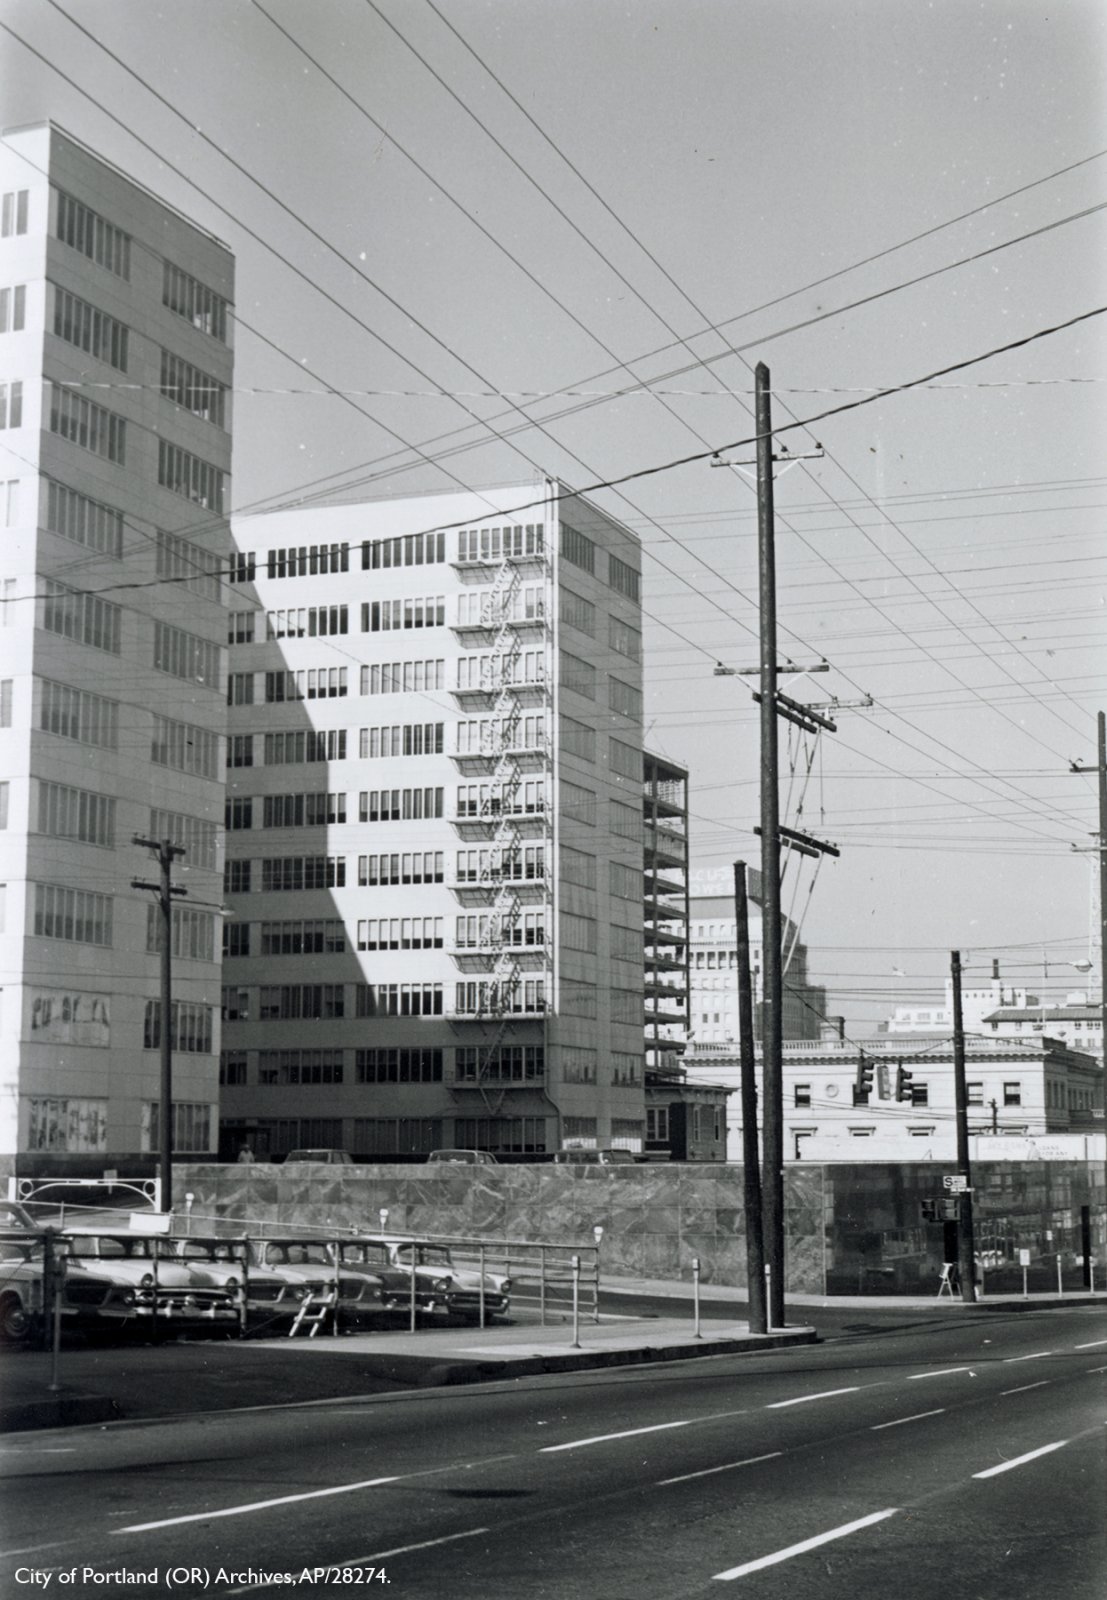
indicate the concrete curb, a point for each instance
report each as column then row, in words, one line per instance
column 58, row 1411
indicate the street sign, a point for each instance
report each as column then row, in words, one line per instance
column 1024, row 1258
column 957, row 1183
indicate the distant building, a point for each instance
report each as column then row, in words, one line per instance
column 1076, row 1022
column 115, row 406
column 977, row 1002
column 667, row 957
column 714, row 960
column 1014, row 1088
column 685, row 1119
column 435, row 828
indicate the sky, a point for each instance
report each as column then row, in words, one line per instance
column 483, row 240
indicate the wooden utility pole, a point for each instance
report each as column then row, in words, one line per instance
column 772, row 1034
column 1100, row 770
column 751, row 1159
column 165, row 852
column 966, row 1253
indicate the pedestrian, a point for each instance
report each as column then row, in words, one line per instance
column 245, row 1154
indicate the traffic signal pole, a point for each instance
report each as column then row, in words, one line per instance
column 966, row 1253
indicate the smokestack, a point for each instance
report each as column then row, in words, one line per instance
column 995, row 969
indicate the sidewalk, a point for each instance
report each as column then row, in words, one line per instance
column 134, row 1382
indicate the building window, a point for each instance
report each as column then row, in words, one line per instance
column 198, row 392
column 86, row 424
column 419, row 866
column 409, row 550
column 305, row 745
column 194, row 301
column 236, row 877
column 974, row 1094
column 577, row 548
column 188, row 475
column 578, row 675
column 801, row 1094
column 281, row 874
column 399, row 1065
column 13, row 213
column 1012, row 1094
column 84, row 618
column 657, row 1124
column 89, row 329
column 402, row 739
column 578, row 613
column 190, row 1027
column 76, row 714
column 385, row 1136
column 13, row 309
column 240, row 627
column 77, row 916
column 400, row 933
column 191, row 1126
column 307, row 622
column 185, row 747
column 232, row 1068
column 311, row 810
column 86, row 231
column 300, row 1066
column 396, row 677
column 241, row 568
column 624, row 699
column 400, row 805
column 313, row 936
column 186, row 655
column 623, row 579
column 191, row 567
column 289, row 1002
column 83, row 520
column 11, row 405
column 193, row 933
column 65, row 813
column 399, row 999
column 240, row 750
column 236, row 939
column 65, row 1124
column 422, row 611
column 240, row 691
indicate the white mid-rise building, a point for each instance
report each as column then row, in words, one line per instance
column 115, row 385
column 435, row 828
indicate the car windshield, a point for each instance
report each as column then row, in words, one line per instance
column 429, row 1255
column 196, row 1251
column 21, row 1250
column 295, row 1254
column 365, row 1254
column 113, row 1249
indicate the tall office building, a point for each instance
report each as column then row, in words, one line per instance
column 435, row 828
column 115, row 375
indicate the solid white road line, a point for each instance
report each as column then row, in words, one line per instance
column 1041, row 1384
column 807, row 1544
column 603, row 1438
column 943, row 1373
column 1031, row 1455
column 255, row 1505
column 900, row 1420
column 1091, row 1345
column 803, row 1398
column 369, row 1561
column 729, row 1467
column 1038, row 1355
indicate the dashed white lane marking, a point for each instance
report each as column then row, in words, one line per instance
column 802, row 1399
column 806, row 1544
column 730, row 1466
column 1041, row 1384
column 1038, row 1355
column 943, row 1373
column 1091, row 1345
column 381, row 1555
column 1031, row 1455
column 255, row 1505
column 603, row 1438
column 919, row 1415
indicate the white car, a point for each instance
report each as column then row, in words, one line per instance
column 278, row 1275
column 21, row 1292
column 441, row 1285
column 124, row 1278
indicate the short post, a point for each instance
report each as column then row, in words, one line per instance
column 1059, row 1288
column 768, row 1297
column 482, row 1286
column 542, row 1285
column 695, row 1297
column 597, row 1234
column 337, row 1282
column 412, row 1323
column 57, row 1279
column 189, row 1198
column 1025, row 1289
column 383, row 1215
column 576, row 1303
column 1091, row 1276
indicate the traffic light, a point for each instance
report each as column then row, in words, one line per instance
column 903, row 1084
column 862, row 1087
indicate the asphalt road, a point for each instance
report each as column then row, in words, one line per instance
column 963, row 1459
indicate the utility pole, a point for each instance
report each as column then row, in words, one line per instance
column 966, row 1253
column 165, row 853
column 1100, row 770
column 773, row 704
column 751, row 1160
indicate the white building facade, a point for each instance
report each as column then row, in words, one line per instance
column 434, row 828
column 115, row 438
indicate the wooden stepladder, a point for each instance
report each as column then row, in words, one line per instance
column 945, row 1284
column 313, row 1312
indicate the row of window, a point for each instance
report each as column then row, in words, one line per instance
column 293, row 1002
column 489, row 864
column 507, row 1064
column 577, row 548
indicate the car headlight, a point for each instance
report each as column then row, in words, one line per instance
column 146, row 1281
column 231, row 1283
column 129, row 1297
column 442, row 1284
column 505, row 1286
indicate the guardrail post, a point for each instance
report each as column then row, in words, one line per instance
column 597, row 1234
column 576, row 1303
column 57, row 1282
column 337, row 1283
column 1025, row 1288
column 412, row 1324
column 542, row 1285
column 157, row 1293
column 481, row 1269
column 695, row 1297
column 1059, row 1288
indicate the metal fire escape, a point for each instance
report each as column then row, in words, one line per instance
column 513, row 817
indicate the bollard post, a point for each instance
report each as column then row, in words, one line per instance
column 1059, row 1289
column 542, row 1285
column 189, row 1198
column 1091, row 1276
column 412, row 1283
column 1025, row 1290
column 768, row 1297
column 597, row 1234
column 58, row 1281
column 576, row 1303
column 695, row 1297
column 482, row 1286
column 383, row 1215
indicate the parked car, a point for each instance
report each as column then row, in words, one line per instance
column 441, row 1285
column 278, row 1275
column 370, row 1257
column 330, row 1158
column 602, row 1158
column 137, row 1278
column 472, row 1158
column 21, row 1286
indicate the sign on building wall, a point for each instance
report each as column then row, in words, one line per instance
column 64, row 1016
